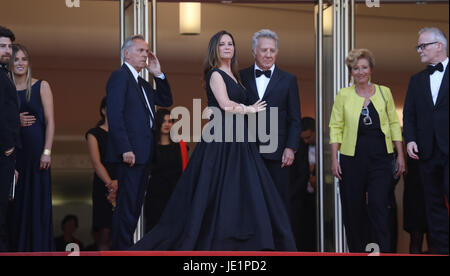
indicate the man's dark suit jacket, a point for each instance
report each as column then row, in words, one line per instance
column 9, row 114
column 128, row 116
column 281, row 92
column 424, row 122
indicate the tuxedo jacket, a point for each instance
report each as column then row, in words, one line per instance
column 129, row 117
column 281, row 92
column 9, row 114
column 424, row 122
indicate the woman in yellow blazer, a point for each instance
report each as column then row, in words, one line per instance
column 363, row 127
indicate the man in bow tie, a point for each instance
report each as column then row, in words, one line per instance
column 9, row 130
column 425, row 123
column 130, row 104
column 265, row 81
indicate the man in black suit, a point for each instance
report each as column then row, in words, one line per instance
column 425, row 123
column 303, row 186
column 131, row 107
column 278, row 89
column 9, row 131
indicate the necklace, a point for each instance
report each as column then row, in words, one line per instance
column 364, row 94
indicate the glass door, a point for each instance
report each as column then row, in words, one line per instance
column 334, row 37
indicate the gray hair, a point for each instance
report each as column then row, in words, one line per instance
column 266, row 34
column 437, row 34
column 128, row 43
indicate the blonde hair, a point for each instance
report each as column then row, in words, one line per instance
column 356, row 54
column 17, row 48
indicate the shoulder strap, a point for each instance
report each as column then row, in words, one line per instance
column 385, row 103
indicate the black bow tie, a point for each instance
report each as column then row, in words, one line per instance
column 259, row 73
column 438, row 67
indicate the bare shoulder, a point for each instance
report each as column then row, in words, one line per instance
column 45, row 87
column 216, row 78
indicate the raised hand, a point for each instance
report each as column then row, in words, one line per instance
column 153, row 65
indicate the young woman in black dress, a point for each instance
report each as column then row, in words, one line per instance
column 105, row 183
column 168, row 165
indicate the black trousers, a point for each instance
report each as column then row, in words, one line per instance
column 365, row 191
column 281, row 178
column 132, row 185
column 7, row 165
column 434, row 173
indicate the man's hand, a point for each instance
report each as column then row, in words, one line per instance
column 26, row 120
column 288, row 157
column 153, row 65
column 9, row 152
column 412, row 150
column 129, row 158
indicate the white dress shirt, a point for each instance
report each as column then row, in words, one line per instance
column 262, row 81
column 136, row 75
column 436, row 80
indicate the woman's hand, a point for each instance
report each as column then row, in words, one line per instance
column 26, row 120
column 257, row 107
column 401, row 166
column 45, row 162
column 336, row 169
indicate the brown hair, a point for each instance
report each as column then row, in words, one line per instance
column 212, row 59
column 356, row 54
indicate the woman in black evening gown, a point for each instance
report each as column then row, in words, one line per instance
column 225, row 200
column 32, row 220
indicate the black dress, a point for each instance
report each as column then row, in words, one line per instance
column 32, row 227
column 225, row 199
column 166, row 170
column 101, row 208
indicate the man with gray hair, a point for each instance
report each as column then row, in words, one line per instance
column 425, row 124
column 265, row 81
column 130, row 106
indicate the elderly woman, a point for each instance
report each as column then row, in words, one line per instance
column 363, row 128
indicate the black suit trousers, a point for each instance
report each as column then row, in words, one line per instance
column 434, row 174
column 281, row 178
column 7, row 165
column 132, row 183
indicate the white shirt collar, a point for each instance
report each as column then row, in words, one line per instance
column 133, row 71
column 271, row 69
column 445, row 63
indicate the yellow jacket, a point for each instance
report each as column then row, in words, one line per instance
column 345, row 115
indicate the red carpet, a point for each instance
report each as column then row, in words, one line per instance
column 195, row 253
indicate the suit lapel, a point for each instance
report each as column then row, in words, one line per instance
column 443, row 90
column 138, row 89
column 427, row 91
column 273, row 81
column 252, row 81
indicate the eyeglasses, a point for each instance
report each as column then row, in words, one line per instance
column 366, row 120
column 424, row 45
